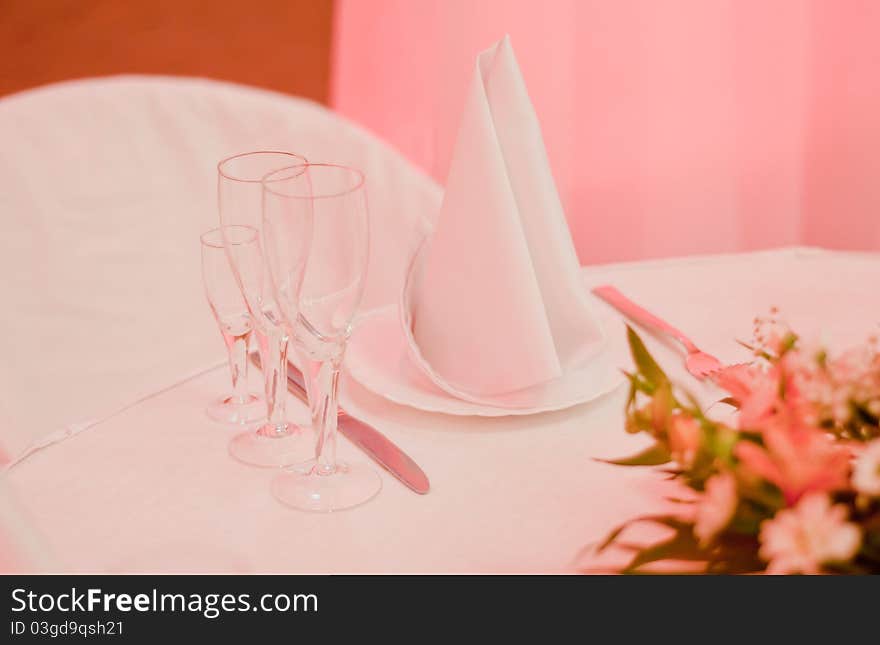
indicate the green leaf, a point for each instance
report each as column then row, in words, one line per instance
column 672, row 521
column 735, row 553
column 722, row 441
column 655, row 455
column 760, row 353
column 788, row 342
column 862, row 413
column 731, row 553
column 611, row 537
column 633, row 390
column 648, row 367
column 614, row 534
column 638, row 384
column 766, row 498
column 681, row 546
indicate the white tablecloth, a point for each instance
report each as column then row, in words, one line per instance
column 152, row 489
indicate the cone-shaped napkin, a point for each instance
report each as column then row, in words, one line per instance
column 494, row 301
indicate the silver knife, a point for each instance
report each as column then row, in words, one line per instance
column 366, row 437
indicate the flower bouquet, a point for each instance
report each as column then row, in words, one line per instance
column 790, row 483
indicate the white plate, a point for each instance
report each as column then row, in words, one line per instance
column 378, row 358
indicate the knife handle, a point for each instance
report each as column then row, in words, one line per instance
column 381, row 449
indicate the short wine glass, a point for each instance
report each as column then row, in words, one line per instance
column 330, row 201
column 278, row 442
column 240, row 406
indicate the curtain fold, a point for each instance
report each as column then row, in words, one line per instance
column 675, row 127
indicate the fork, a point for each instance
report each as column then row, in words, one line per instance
column 697, row 362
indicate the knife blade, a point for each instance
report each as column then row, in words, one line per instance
column 379, row 447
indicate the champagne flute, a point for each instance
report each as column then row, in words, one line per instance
column 329, row 200
column 278, row 442
column 230, row 310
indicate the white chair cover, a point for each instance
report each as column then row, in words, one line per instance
column 105, row 185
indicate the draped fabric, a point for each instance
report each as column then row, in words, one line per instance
column 673, row 127
column 22, row 547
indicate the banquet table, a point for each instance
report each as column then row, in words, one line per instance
column 153, row 489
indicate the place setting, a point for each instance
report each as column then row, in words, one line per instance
column 492, row 317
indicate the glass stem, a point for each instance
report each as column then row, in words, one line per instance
column 324, row 414
column 238, row 355
column 275, row 370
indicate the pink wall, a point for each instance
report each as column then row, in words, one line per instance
column 842, row 143
column 675, row 127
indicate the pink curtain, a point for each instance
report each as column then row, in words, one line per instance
column 673, row 126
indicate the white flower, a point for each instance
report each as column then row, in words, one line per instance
column 715, row 508
column 866, row 471
column 803, row 538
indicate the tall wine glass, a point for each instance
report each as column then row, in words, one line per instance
column 330, row 200
column 231, row 313
column 239, row 190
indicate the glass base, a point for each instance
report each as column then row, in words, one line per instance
column 265, row 447
column 227, row 409
column 302, row 488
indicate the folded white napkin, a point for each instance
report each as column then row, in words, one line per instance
column 494, row 301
